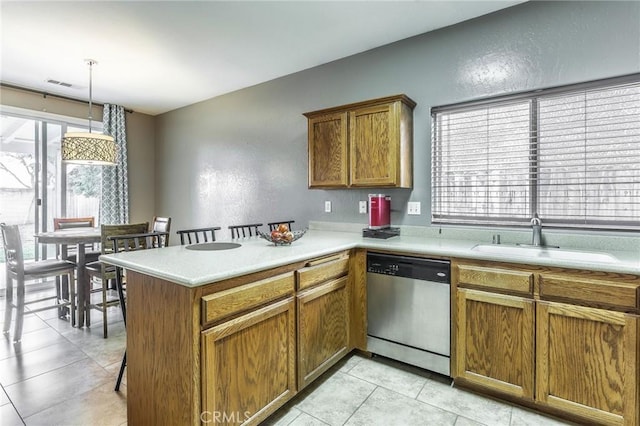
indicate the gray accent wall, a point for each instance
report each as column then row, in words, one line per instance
column 242, row 157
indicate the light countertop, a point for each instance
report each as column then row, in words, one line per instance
column 193, row 268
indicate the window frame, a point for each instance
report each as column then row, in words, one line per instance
column 533, row 97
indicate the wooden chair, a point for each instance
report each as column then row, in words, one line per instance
column 20, row 271
column 198, row 235
column 68, row 253
column 101, row 274
column 65, row 252
column 133, row 242
column 73, row 222
column 274, row 225
column 250, row 230
column 161, row 224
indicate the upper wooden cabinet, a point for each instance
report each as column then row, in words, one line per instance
column 366, row 144
column 328, row 151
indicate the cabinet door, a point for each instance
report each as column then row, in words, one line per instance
column 248, row 365
column 374, row 143
column 328, row 161
column 587, row 362
column 494, row 342
column 323, row 328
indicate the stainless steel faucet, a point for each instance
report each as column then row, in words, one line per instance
column 536, row 224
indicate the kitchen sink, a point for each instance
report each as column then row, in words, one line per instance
column 213, row 246
column 542, row 252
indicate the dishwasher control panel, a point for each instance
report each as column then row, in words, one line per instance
column 383, row 268
column 409, row 267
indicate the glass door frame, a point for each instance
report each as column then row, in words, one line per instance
column 43, row 124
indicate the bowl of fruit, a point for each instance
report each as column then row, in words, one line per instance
column 282, row 236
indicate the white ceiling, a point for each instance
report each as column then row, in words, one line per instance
column 155, row 56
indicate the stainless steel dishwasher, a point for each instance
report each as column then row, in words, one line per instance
column 408, row 308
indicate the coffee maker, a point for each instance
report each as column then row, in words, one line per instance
column 379, row 211
column 380, row 218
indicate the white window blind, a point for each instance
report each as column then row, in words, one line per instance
column 589, row 157
column 571, row 156
column 481, row 164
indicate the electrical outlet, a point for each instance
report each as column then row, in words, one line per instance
column 327, row 206
column 413, row 207
column 362, row 206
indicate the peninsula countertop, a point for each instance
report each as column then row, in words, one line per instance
column 193, row 268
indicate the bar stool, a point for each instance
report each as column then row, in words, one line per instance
column 103, row 273
column 274, row 225
column 132, row 242
column 65, row 252
column 198, row 235
column 161, row 224
column 250, row 230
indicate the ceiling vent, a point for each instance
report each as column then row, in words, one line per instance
column 59, row 83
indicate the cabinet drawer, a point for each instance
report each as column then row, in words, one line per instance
column 594, row 292
column 248, row 296
column 512, row 281
column 321, row 270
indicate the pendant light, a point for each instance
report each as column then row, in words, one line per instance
column 89, row 148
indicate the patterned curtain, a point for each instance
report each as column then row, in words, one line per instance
column 114, row 205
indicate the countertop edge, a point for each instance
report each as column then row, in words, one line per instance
column 332, row 241
column 205, row 279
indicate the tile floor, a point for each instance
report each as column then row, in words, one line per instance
column 59, row 375
column 378, row 391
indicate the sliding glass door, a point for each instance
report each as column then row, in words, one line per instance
column 20, row 181
column 35, row 186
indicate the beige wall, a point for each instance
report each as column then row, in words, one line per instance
column 140, row 144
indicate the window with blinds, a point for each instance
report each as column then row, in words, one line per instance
column 570, row 155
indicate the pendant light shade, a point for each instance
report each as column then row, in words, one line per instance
column 89, row 148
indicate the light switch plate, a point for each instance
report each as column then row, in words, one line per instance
column 362, row 207
column 413, row 207
column 327, row 206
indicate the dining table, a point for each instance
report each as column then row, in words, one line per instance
column 80, row 237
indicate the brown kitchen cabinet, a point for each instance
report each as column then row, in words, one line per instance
column 588, row 345
column 366, row 144
column 494, row 342
column 559, row 340
column 328, row 151
column 323, row 316
column 323, row 329
column 237, row 352
column 587, row 362
column 358, row 299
